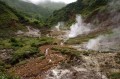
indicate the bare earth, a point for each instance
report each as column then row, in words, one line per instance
column 35, row 68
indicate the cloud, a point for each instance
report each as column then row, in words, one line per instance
column 37, row 1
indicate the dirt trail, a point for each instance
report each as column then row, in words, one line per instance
column 35, row 68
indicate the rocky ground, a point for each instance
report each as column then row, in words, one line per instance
column 35, row 68
column 94, row 66
column 55, row 65
column 5, row 54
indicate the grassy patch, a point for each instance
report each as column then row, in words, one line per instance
column 71, row 51
column 67, row 50
column 45, row 41
column 74, row 57
column 3, row 74
column 115, row 76
column 86, row 38
column 22, row 53
column 7, row 76
column 23, row 47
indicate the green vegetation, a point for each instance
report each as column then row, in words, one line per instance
column 7, row 76
column 3, row 74
column 115, row 76
column 51, row 6
column 40, row 11
column 23, row 47
column 32, row 14
column 30, row 9
column 71, row 51
column 6, row 15
column 10, row 20
column 73, row 55
column 84, row 7
column 16, row 14
column 9, row 14
column 66, row 50
column 86, row 38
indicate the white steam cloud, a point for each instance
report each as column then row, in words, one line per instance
column 38, row 1
column 59, row 25
column 79, row 27
column 94, row 44
column 114, row 5
column 108, row 42
column 35, row 1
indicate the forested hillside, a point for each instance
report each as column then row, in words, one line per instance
column 37, row 11
column 87, row 8
column 85, row 43
column 52, row 6
column 28, row 8
column 10, row 20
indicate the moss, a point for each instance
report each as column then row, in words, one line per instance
column 115, row 76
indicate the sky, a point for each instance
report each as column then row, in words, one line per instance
column 65, row 1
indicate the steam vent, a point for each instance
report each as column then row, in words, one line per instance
column 59, row 39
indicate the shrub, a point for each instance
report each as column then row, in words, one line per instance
column 66, row 50
column 23, row 53
column 13, row 40
column 2, row 65
column 45, row 41
column 7, row 76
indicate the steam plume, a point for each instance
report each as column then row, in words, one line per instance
column 108, row 42
column 114, row 5
column 60, row 24
column 79, row 27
